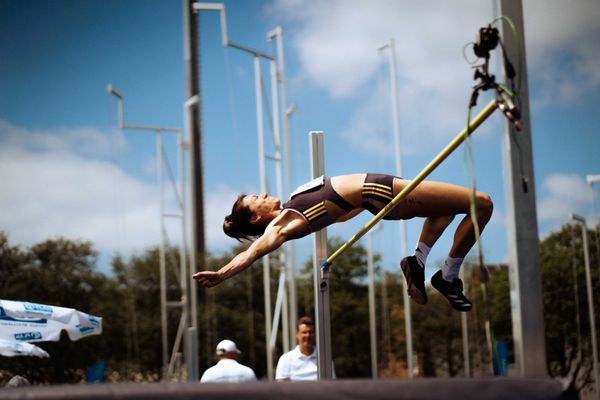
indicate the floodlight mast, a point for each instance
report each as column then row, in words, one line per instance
column 523, row 238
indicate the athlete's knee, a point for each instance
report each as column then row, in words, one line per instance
column 485, row 206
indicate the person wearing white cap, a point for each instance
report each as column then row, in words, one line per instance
column 228, row 369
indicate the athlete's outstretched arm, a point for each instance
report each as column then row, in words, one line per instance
column 270, row 241
column 284, row 227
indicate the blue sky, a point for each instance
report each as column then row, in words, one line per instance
column 68, row 171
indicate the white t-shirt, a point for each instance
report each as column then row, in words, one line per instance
column 295, row 366
column 227, row 370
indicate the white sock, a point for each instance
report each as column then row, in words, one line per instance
column 421, row 253
column 451, row 268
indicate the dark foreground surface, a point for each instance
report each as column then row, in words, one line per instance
column 459, row 389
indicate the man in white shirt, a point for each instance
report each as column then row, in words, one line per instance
column 228, row 369
column 300, row 364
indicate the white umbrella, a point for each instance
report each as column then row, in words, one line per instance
column 11, row 349
column 21, row 321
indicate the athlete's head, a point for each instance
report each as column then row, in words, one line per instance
column 250, row 215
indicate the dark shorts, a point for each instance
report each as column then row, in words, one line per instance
column 377, row 192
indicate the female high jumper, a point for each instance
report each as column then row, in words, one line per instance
column 324, row 201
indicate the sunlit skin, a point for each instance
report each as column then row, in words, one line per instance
column 437, row 202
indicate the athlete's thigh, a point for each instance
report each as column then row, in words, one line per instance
column 430, row 199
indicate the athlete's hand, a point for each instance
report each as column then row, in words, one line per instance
column 208, row 278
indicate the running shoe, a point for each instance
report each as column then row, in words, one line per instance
column 415, row 279
column 452, row 291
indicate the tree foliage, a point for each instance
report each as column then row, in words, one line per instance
column 566, row 316
column 63, row 272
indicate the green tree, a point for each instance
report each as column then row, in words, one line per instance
column 568, row 344
column 349, row 309
column 58, row 272
column 235, row 310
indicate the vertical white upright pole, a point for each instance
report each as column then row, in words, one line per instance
column 163, row 263
column 590, row 297
column 185, row 267
column 591, row 179
column 279, row 177
column 371, row 277
column 290, row 261
column 189, row 106
column 321, row 276
column 403, row 233
column 263, row 188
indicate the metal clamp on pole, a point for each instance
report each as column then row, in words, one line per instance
column 324, row 273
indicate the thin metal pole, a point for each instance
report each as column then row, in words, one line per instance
column 163, row 268
column 371, row 278
column 194, row 117
column 185, row 267
column 289, row 246
column 285, row 323
column 591, row 179
column 403, row 234
column 590, row 296
column 263, row 179
column 474, row 124
column 321, row 275
column 164, row 303
column 263, row 188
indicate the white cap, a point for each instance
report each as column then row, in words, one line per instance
column 227, row 346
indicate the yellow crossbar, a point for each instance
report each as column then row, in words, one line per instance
column 474, row 124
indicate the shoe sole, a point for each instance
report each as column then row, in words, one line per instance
column 415, row 294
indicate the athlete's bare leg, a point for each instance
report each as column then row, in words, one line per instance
column 439, row 202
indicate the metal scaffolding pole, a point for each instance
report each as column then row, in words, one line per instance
column 290, row 262
column 403, row 234
column 277, row 158
column 193, row 121
column 168, row 362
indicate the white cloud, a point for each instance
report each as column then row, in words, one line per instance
column 566, row 193
column 50, row 191
column 83, row 140
column 337, row 45
column 218, row 204
column 373, row 120
column 563, row 49
column 55, row 193
column 336, row 42
column 553, row 25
